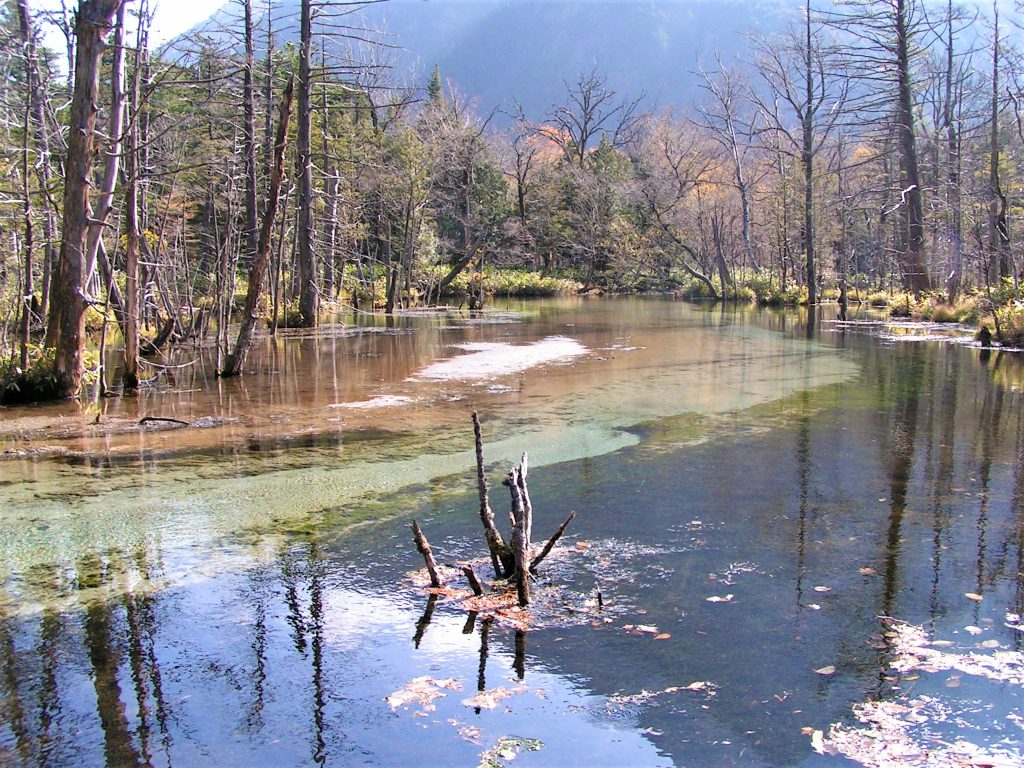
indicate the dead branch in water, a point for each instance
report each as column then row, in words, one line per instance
column 428, row 555
column 551, row 542
column 501, row 554
column 510, row 560
column 150, row 419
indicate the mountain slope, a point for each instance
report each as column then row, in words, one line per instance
column 500, row 51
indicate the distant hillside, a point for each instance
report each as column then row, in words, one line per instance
column 497, row 51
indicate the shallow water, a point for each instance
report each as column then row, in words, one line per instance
column 238, row 594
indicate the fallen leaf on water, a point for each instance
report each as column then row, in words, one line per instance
column 423, row 691
column 973, row 596
column 814, row 606
column 663, row 636
column 646, row 628
column 717, row 599
column 699, row 685
column 989, row 644
column 806, row 730
column 867, row 571
column 823, row 589
column 582, row 545
column 829, row 670
column 973, row 630
column 818, row 742
column 489, row 699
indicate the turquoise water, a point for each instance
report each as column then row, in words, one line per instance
column 239, row 594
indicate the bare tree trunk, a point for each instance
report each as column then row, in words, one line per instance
column 92, row 23
column 953, row 192
column 249, row 139
column 133, row 172
column 257, row 272
column 26, row 291
column 915, row 265
column 38, row 98
column 308, row 295
column 113, row 150
column 501, row 557
column 998, row 231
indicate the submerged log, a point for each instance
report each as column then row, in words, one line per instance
column 423, row 546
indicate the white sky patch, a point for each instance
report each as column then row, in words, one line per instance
column 490, row 360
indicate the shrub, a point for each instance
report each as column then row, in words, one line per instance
column 878, row 299
column 37, row 381
column 1011, row 325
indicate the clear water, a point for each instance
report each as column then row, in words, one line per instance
column 239, row 593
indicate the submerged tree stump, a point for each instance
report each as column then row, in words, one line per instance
column 511, row 560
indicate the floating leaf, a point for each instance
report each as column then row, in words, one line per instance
column 867, row 571
column 989, row 644
column 814, row 606
column 662, row 636
column 818, row 742
column 822, row 589
column 973, row 596
column 423, row 691
column 647, row 629
column 489, row 699
column 973, row 630
column 829, row 670
column 717, row 599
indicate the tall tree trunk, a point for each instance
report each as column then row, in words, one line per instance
column 308, row 296
column 257, row 272
column 27, row 287
column 92, row 23
column 113, row 150
column 38, row 98
column 953, row 192
column 807, row 157
column 249, row 140
column 915, row 266
column 998, row 231
column 133, row 172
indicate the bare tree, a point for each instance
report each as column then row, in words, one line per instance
column 806, row 77
column 592, row 112
column 92, row 24
column 884, row 43
column 258, row 271
column 732, row 128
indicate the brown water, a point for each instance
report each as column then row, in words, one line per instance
column 235, row 593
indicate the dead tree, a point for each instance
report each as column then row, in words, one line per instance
column 258, row 270
column 510, row 560
column 92, row 23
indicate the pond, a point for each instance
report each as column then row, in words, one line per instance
column 807, row 549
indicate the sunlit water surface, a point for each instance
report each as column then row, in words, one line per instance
column 238, row 592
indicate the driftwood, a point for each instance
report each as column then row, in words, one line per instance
column 428, row 554
column 511, row 560
column 516, row 482
column 501, row 553
column 150, row 419
column 551, row 542
column 474, row 582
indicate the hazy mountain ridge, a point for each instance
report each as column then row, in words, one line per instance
column 501, row 51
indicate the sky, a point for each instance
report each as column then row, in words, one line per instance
column 171, row 17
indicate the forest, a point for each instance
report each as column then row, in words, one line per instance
column 231, row 184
